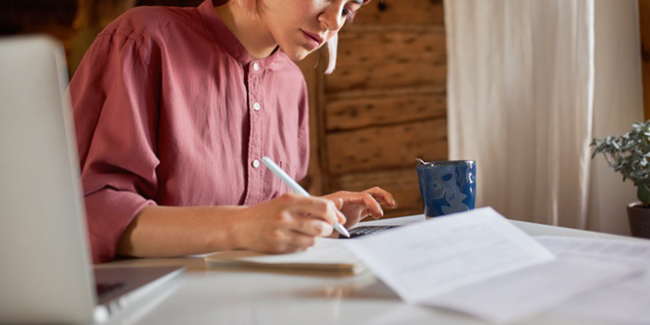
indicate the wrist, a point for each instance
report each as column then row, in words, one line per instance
column 235, row 229
column 220, row 229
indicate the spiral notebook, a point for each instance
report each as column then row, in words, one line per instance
column 328, row 255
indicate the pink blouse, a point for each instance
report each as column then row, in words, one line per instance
column 170, row 109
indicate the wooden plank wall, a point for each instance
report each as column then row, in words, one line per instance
column 384, row 105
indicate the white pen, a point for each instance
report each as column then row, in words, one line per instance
column 296, row 187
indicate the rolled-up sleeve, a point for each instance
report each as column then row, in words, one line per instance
column 115, row 104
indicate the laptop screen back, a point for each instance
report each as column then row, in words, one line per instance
column 45, row 274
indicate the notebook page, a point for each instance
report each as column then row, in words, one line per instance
column 327, row 255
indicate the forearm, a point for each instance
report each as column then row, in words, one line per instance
column 285, row 224
column 159, row 231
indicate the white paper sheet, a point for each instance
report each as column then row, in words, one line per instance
column 523, row 293
column 422, row 261
column 632, row 252
column 624, row 302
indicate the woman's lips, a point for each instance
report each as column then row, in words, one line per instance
column 313, row 40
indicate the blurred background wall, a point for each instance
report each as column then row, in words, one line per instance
column 384, row 106
column 73, row 22
column 387, row 102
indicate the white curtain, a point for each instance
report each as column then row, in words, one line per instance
column 527, row 82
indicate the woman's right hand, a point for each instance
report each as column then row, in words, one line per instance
column 288, row 223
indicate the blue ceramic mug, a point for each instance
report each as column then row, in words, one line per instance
column 447, row 186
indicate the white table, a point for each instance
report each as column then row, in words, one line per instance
column 236, row 296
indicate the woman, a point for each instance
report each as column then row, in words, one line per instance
column 174, row 108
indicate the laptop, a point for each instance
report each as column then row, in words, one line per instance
column 46, row 273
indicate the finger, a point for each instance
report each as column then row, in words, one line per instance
column 313, row 227
column 368, row 201
column 317, row 207
column 339, row 203
column 290, row 241
column 373, row 207
column 365, row 213
column 382, row 196
column 301, row 241
column 341, row 217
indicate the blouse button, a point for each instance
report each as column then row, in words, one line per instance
column 256, row 163
column 256, row 66
column 257, row 106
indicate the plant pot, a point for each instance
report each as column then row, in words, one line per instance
column 639, row 217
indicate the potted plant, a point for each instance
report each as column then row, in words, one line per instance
column 629, row 154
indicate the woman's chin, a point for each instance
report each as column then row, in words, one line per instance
column 296, row 54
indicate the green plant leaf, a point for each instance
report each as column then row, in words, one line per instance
column 629, row 155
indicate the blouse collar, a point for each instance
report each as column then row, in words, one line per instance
column 227, row 39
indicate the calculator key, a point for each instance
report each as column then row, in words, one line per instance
column 366, row 230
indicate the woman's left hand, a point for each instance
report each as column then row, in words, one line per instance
column 358, row 205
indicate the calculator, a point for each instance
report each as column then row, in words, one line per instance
column 366, row 230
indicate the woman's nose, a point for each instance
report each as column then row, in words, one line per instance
column 332, row 18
